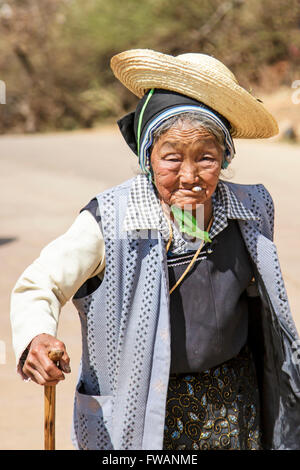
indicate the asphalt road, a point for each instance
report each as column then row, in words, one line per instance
column 45, row 180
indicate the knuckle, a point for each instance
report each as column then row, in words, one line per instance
column 29, row 362
column 33, row 351
column 49, row 368
column 59, row 344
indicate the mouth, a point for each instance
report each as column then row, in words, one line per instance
column 189, row 192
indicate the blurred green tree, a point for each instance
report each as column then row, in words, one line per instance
column 54, row 54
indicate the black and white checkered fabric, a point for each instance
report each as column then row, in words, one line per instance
column 144, row 211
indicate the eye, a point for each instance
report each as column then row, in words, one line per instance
column 172, row 158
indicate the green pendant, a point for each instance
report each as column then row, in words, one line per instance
column 187, row 224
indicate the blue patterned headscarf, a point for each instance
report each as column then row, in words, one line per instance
column 156, row 107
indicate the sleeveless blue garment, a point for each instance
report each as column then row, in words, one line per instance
column 120, row 399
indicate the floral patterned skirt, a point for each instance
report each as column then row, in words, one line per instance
column 214, row 409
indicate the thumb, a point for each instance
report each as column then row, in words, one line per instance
column 64, row 363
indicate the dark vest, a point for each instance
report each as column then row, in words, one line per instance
column 209, row 309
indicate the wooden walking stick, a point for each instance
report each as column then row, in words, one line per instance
column 49, row 402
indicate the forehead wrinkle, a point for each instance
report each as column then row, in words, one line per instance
column 204, row 139
column 198, row 133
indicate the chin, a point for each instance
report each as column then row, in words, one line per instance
column 191, row 202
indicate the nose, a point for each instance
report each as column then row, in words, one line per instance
column 188, row 174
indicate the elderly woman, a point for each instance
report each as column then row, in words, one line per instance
column 187, row 336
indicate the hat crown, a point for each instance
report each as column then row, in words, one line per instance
column 198, row 76
column 204, row 60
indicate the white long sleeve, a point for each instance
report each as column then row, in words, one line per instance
column 53, row 278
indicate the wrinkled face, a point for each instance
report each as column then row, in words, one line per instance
column 183, row 157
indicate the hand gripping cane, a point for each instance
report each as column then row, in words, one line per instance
column 49, row 401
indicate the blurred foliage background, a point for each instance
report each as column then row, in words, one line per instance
column 55, row 54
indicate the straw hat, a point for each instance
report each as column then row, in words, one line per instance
column 198, row 76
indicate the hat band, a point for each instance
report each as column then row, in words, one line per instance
column 141, row 119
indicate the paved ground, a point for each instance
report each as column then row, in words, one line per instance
column 45, row 180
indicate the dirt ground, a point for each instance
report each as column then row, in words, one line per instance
column 45, row 180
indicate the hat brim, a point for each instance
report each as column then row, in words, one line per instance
column 142, row 69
